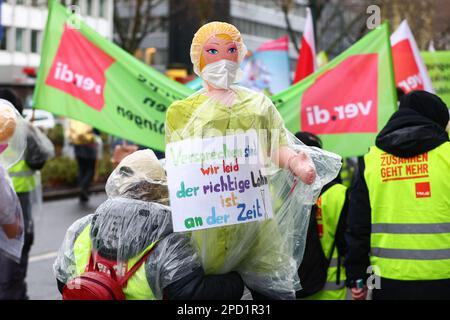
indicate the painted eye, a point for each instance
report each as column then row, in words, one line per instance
column 232, row 50
column 212, row 51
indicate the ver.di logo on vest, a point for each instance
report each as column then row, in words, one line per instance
column 423, row 190
column 79, row 69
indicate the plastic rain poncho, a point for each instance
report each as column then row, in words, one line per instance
column 134, row 218
column 267, row 254
column 12, row 146
column 13, row 135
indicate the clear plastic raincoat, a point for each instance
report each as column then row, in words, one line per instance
column 12, row 145
column 267, row 253
column 132, row 221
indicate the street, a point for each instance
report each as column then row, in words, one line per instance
column 51, row 223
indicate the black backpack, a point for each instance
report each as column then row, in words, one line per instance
column 314, row 267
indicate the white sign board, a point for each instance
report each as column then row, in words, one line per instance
column 215, row 182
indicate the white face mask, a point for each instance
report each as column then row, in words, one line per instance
column 222, row 74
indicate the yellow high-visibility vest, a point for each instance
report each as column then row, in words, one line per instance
column 410, row 209
column 137, row 287
column 329, row 208
column 22, row 177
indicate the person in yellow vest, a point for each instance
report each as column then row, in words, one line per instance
column 134, row 220
column 330, row 214
column 399, row 211
column 23, row 179
column 85, row 140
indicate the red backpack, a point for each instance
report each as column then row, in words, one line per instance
column 95, row 284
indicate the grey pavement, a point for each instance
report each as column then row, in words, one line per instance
column 51, row 223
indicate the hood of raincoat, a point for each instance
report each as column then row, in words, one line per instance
column 122, row 228
column 417, row 127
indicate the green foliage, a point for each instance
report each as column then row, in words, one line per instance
column 56, row 135
column 63, row 171
column 60, row 171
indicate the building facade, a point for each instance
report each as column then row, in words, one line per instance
column 262, row 21
column 23, row 24
column 258, row 20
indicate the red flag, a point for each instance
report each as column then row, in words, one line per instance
column 306, row 63
column 410, row 71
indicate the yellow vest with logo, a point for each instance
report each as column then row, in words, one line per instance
column 410, row 209
column 329, row 208
column 22, row 177
column 137, row 287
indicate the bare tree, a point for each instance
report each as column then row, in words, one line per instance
column 133, row 21
column 286, row 7
column 420, row 16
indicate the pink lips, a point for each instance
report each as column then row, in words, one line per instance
column 3, row 147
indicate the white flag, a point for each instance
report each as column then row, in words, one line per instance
column 410, row 71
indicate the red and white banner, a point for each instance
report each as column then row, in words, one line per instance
column 410, row 71
column 306, row 63
column 351, row 109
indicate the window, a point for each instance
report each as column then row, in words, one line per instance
column 20, row 35
column 20, row 1
column 102, row 9
column 4, row 40
column 260, row 30
column 34, row 41
column 89, row 8
column 39, row 3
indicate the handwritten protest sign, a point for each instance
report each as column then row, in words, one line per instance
column 215, row 182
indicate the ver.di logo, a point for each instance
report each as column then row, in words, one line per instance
column 353, row 105
column 407, row 74
column 79, row 69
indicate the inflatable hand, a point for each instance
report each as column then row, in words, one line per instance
column 13, row 134
column 7, row 121
column 302, row 167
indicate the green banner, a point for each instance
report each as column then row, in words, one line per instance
column 438, row 65
column 349, row 100
column 86, row 77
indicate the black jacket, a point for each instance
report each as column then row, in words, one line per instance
column 408, row 133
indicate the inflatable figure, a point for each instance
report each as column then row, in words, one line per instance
column 265, row 253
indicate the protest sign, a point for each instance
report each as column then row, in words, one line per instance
column 215, row 182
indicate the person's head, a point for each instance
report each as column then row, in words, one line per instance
column 10, row 96
column 428, row 105
column 309, row 139
column 218, row 46
column 139, row 176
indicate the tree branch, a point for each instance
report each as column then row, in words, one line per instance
column 344, row 33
